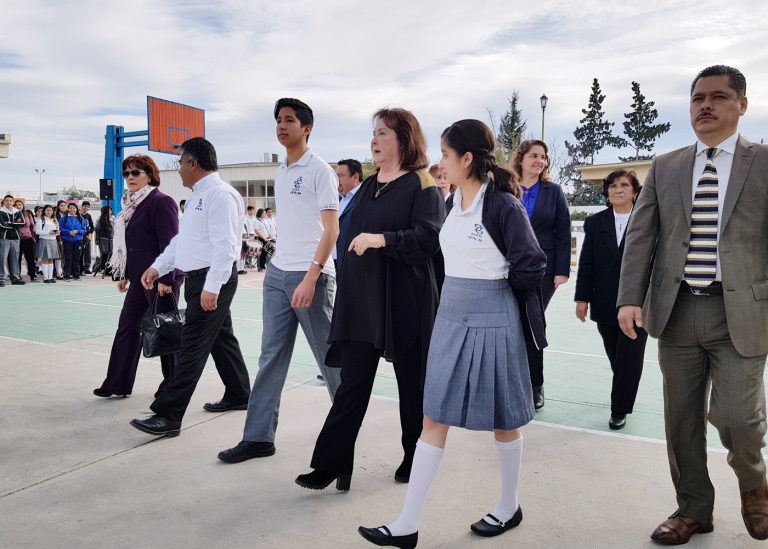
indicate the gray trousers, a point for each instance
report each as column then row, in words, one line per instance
column 9, row 257
column 698, row 360
column 281, row 322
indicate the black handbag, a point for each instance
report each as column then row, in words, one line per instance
column 161, row 332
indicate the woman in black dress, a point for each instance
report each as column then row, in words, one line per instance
column 387, row 296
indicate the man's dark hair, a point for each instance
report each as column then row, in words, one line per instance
column 736, row 79
column 85, row 203
column 7, row 196
column 353, row 166
column 202, row 151
column 182, row 202
column 250, row 208
column 267, row 209
column 302, row 110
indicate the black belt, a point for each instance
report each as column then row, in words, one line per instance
column 715, row 288
column 196, row 272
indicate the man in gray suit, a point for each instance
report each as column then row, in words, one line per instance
column 697, row 262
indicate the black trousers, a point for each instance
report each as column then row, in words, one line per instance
column 27, row 251
column 126, row 347
column 536, row 356
column 205, row 333
column 85, row 256
column 72, row 249
column 335, row 446
column 626, row 358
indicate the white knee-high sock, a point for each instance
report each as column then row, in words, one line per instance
column 426, row 461
column 57, row 263
column 48, row 270
column 241, row 264
column 510, row 460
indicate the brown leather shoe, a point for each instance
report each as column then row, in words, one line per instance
column 678, row 529
column 754, row 510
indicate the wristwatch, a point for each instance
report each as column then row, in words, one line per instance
column 315, row 262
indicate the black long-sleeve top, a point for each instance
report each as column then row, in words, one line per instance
column 388, row 296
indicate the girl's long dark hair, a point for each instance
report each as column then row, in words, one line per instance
column 476, row 137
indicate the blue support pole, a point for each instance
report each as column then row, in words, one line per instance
column 113, row 165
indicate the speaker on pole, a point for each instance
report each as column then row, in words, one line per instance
column 106, row 189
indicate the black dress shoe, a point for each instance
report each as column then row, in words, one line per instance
column 317, row 480
column 538, row 396
column 223, row 406
column 482, row 528
column 403, row 472
column 377, row 537
column 247, row 450
column 617, row 421
column 158, row 425
column 17, row 282
column 103, row 393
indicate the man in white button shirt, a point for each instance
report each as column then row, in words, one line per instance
column 696, row 261
column 300, row 283
column 350, row 174
column 206, row 249
column 269, row 223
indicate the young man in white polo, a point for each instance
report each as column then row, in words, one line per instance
column 300, row 283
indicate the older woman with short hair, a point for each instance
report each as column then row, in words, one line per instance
column 387, row 296
column 148, row 221
column 597, row 284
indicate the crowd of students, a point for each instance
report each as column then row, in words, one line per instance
column 53, row 241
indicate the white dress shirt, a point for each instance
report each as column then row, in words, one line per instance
column 271, row 226
column 723, row 163
column 621, row 221
column 210, row 234
column 468, row 249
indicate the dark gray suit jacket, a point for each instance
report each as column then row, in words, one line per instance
column 657, row 243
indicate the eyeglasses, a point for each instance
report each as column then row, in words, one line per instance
column 133, row 173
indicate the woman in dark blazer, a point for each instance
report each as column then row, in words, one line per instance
column 148, row 221
column 597, row 284
column 547, row 210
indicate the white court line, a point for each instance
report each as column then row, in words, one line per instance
column 588, row 355
column 78, row 302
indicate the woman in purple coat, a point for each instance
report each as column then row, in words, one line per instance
column 148, row 221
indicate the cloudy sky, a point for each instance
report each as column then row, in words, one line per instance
column 67, row 69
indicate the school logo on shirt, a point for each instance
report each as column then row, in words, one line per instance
column 199, row 206
column 477, row 234
column 297, row 185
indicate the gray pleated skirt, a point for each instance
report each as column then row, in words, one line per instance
column 477, row 368
column 47, row 249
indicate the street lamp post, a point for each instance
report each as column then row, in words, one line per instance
column 543, row 100
column 40, row 174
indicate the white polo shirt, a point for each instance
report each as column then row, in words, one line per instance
column 302, row 191
column 468, row 249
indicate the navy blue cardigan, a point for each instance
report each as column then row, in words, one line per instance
column 507, row 223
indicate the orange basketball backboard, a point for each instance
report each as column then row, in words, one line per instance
column 170, row 124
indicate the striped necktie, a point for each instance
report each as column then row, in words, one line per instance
column 701, row 261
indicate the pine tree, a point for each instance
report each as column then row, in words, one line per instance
column 580, row 193
column 594, row 132
column 639, row 126
column 511, row 126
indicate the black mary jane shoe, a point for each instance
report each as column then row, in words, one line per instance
column 538, row 397
column 482, row 528
column 382, row 539
column 103, row 393
column 317, row 480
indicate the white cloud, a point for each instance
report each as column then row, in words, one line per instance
column 68, row 69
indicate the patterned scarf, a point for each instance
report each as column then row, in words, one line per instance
column 129, row 203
